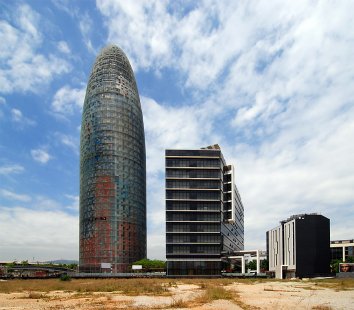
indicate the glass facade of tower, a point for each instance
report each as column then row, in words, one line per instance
column 112, row 168
column 204, row 213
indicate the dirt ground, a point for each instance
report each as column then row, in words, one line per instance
column 256, row 295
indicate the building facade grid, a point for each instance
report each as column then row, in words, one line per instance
column 204, row 212
column 112, row 168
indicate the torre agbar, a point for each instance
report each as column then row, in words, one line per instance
column 112, row 168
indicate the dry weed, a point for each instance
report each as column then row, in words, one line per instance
column 336, row 284
column 214, row 293
column 125, row 286
column 321, row 307
column 178, row 303
column 35, row 295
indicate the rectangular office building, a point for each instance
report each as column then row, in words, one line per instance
column 342, row 249
column 204, row 212
column 299, row 247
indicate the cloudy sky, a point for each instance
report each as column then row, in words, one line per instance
column 270, row 81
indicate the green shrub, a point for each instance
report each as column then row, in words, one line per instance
column 65, row 277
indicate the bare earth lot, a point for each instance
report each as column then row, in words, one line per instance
column 194, row 294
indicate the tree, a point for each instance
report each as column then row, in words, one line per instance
column 72, row 266
column 265, row 264
column 252, row 265
column 335, row 265
column 149, row 264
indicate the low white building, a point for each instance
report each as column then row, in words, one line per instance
column 342, row 249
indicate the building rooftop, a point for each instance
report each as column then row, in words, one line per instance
column 297, row 216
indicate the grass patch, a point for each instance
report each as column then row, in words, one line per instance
column 142, row 286
column 335, row 284
column 322, row 307
column 204, row 283
column 128, row 286
column 218, row 292
column 214, row 293
column 65, row 277
column 125, row 286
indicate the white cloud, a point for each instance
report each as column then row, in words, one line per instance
column 156, row 245
column 67, row 100
column 45, row 203
column 212, row 36
column 75, row 201
column 149, row 23
column 72, row 142
column 41, row 155
column 23, row 68
column 11, row 169
column 168, row 127
column 274, row 90
column 64, row 47
column 85, row 25
column 18, row 117
column 14, row 196
column 42, row 234
column 44, row 229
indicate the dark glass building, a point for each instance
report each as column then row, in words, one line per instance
column 112, row 168
column 300, row 247
column 204, row 212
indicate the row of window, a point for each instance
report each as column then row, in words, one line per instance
column 100, row 103
column 121, row 107
column 93, row 196
column 125, row 158
column 109, row 72
column 90, row 257
column 203, row 184
column 110, row 81
column 122, row 143
column 97, row 108
column 178, row 162
column 113, row 163
column 117, row 129
column 197, row 195
column 192, row 227
column 208, row 153
column 191, row 173
column 193, row 268
column 193, row 205
column 192, row 216
column 192, row 249
column 92, row 219
column 193, row 238
column 122, row 162
column 337, row 252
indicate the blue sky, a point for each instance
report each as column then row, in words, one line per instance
column 271, row 82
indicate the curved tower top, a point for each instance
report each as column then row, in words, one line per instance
column 112, row 63
column 112, row 167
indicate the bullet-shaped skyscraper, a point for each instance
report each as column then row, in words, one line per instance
column 112, row 168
